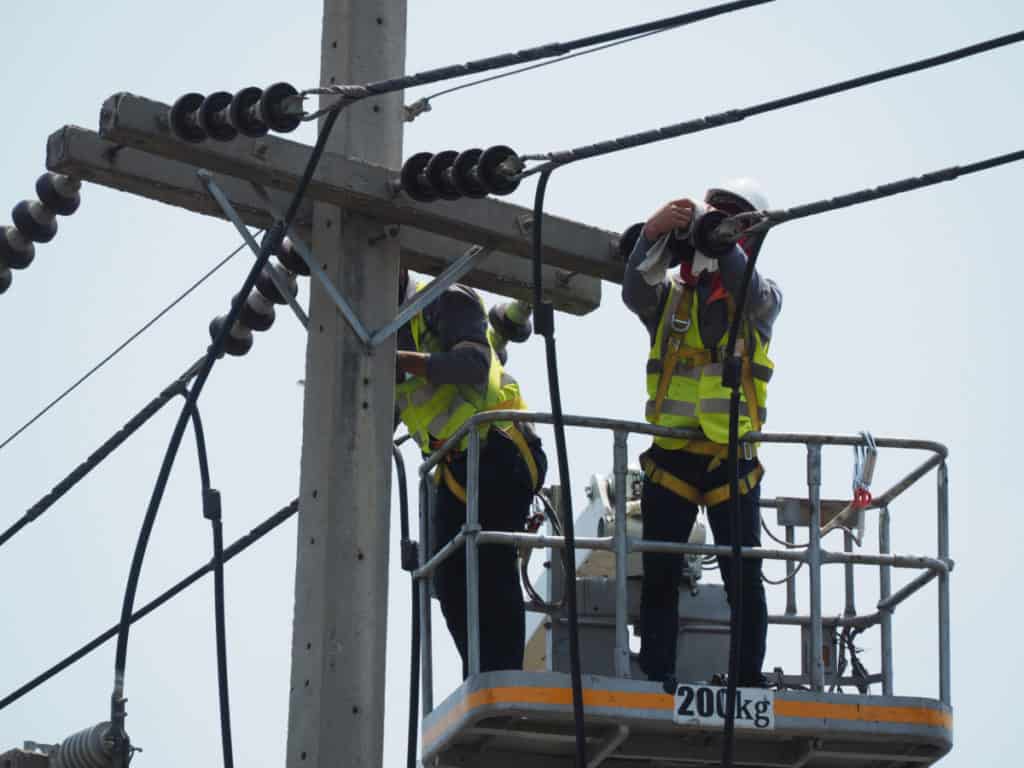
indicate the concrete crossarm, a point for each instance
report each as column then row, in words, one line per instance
column 82, row 153
column 364, row 188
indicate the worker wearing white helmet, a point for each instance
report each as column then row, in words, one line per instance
column 687, row 313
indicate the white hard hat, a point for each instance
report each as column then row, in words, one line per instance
column 737, row 196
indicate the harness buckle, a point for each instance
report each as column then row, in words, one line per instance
column 680, row 324
column 748, row 451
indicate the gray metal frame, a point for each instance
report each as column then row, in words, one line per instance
column 621, row 545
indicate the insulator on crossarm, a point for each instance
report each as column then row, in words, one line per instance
column 239, row 340
column 214, row 116
column 184, row 118
column 265, row 283
column 35, row 221
column 255, row 111
column 289, row 257
column 257, row 312
column 5, row 279
column 59, row 193
column 16, row 250
column 450, row 175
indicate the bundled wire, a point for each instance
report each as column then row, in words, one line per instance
column 212, row 512
column 121, row 746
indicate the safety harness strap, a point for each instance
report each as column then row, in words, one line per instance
column 685, row 490
column 679, row 324
column 516, row 436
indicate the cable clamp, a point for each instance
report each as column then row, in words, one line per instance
column 417, row 108
column 211, row 504
column 544, row 319
column 410, row 555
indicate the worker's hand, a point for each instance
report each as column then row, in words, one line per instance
column 676, row 214
column 413, row 363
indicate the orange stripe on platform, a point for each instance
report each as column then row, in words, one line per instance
column 874, row 713
column 816, row 710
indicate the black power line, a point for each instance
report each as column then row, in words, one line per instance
column 172, row 390
column 563, row 157
column 119, row 348
column 238, row 547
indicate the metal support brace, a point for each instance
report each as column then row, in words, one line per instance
column 435, row 288
column 472, row 529
column 622, row 666
column 944, row 623
column 426, row 641
column 884, row 592
column 229, row 211
column 307, row 256
column 815, row 662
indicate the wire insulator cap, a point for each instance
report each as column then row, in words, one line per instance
column 244, row 113
column 59, row 193
column 213, row 116
column 5, row 279
column 239, row 340
column 35, row 221
column 16, row 250
column 265, row 284
column 272, row 108
column 257, row 312
column 184, row 120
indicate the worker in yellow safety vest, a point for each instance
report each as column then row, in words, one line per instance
column 687, row 313
column 448, row 371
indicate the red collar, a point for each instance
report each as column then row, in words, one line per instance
column 718, row 291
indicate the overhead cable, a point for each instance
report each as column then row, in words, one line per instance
column 236, row 548
column 350, row 93
column 153, row 407
column 120, row 347
column 119, row 738
column 421, row 105
column 563, row 157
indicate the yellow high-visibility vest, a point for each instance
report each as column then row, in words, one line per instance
column 433, row 413
column 684, row 378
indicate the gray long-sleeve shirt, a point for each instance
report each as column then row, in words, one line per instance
column 459, row 320
column 764, row 299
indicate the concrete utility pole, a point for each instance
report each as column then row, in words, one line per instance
column 360, row 230
column 336, row 710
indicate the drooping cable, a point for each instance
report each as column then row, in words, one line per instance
column 349, row 93
column 544, row 323
column 212, row 512
column 121, row 747
column 172, row 390
column 554, row 159
column 410, row 561
column 236, row 548
column 120, row 347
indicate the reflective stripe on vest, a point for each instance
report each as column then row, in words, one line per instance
column 433, row 413
column 691, row 394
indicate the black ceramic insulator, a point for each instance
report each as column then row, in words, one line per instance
column 244, row 113
column 213, row 116
column 16, row 250
column 438, row 173
column 34, row 221
column 239, row 340
column 290, row 258
column 59, row 193
column 183, row 119
column 272, row 109
column 5, row 279
column 257, row 313
column 490, row 174
column 414, row 182
column 265, row 284
column 463, row 174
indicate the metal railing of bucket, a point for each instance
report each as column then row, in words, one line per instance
column 471, row 536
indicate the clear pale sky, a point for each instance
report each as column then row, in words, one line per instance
column 899, row 317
